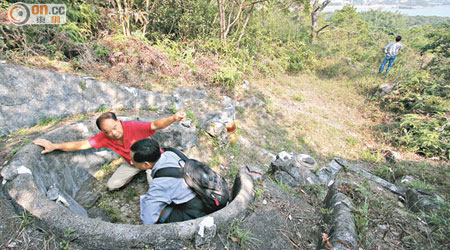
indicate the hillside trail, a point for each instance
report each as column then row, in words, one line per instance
column 330, row 118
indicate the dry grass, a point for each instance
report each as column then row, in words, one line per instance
column 331, row 117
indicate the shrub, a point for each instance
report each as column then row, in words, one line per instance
column 228, row 76
column 424, row 134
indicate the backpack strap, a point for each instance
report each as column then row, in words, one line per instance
column 169, row 172
column 178, row 152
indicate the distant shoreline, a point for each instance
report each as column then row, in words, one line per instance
column 384, row 6
column 438, row 10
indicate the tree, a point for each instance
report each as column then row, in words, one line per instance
column 316, row 9
column 231, row 17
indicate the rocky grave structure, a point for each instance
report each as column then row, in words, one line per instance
column 55, row 188
column 46, row 186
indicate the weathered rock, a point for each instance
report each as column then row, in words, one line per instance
column 306, row 161
column 391, row 156
column 27, row 186
column 215, row 123
column 255, row 171
column 418, row 200
column 85, row 196
column 66, row 170
column 290, row 172
column 66, row 201
column 181, row 135
column 27, row 96
column 183, row 95
column 406, row 181
column 385, row 89
column 328, row 174
column 261, row 152
column 293, row 172
column 216, row 129
column 207, row 231
column 98, row 213
column 246, row 85
column 342, row 234
column 393, row 188
column 252, row 102
column 285, row 179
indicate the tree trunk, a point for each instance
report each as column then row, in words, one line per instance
column 244, row 26
column 316, row 10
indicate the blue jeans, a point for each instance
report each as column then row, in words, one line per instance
column 389, row 59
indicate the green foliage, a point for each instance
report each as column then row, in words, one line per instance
column 82, row 85
column 426, row 135
column 150, row 108
column 421, row 104
column 242, row 237
column 172, row 109
column 283, row 186
column 68, row 237
column 440, row 46
column 384, row 22
column 326, row 211
column 298, row 61
column 101, row 51
column 228, row 76
column 190, row 115
column 422, row 185
column 440, row 222
column 180, row 19
column 101, row 109
column 49, row 120
column 26, row 219
column 107, row 167
column 298, row 98
column 112, row 212
column 371, row 155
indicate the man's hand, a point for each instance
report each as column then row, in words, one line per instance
column 165, row 122
column 47, row 145
column 178, row 116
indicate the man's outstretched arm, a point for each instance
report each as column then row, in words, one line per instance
column 66, row 146
column 165, row 122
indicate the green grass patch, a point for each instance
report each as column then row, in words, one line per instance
column 242, row 237
column 298, row 98
column 47, row 121
column 101, row 109
column 150, row 108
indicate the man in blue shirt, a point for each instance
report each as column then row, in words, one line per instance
column 391, row 51
column 168, row 199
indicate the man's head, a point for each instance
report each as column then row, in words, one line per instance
column 108, row 123
column 145, row 152
column 398, row 38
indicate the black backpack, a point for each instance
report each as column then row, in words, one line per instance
column 210, row 187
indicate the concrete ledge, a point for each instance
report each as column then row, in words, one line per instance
column 95, row 234
column 341, row 221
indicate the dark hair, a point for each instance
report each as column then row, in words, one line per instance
column 398, row 38
column 104, row 116
column 146, row 150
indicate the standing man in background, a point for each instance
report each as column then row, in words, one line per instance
column 391, row 51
